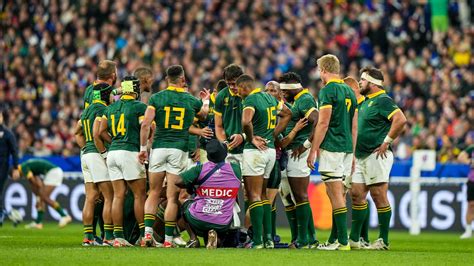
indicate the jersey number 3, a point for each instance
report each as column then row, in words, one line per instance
column 179, row 118
column 120, row 127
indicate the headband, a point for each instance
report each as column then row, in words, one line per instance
column 295, row 86
column 371, row 79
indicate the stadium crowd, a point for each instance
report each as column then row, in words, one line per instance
column 50, row 49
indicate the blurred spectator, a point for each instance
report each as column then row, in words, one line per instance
column 50, row 49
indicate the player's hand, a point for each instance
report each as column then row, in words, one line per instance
column 301, row 124
column 143, row 157
column 313, row 155
column 381, row 151
column 196, row 155
column 16, row 175
column 260, row 143
column 205, row 94
column 235, row 141
column 296, row 152
column 206, row 133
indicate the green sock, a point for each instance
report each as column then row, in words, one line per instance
column 109, row 231
column 340, row 215
column 358, row 219
column 256, row 216
column 384, row 214
column 39, row 216
column 98, row 209
column 58, row 208
column 88, row 232
column 142, row 229
column 149, row 220
column 311, row 230
column 302, row 219
column 273, row 220
column 364, row 232
column 267, row 220
column 291, row 216
column 169, row 230
column 333, row 236
column 118, row 231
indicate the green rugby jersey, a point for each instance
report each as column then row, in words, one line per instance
column 304, row 104
column 374, row 122
column 36, row 167
column 341, row 99
column 229, row 106
column 209, row 121
column 265, row 117
column 175, row 110
column 123, row 123
column 88, row 117
column 89, row 95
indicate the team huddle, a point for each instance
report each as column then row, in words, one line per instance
column 170, row 162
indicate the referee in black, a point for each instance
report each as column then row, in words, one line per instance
column 7, row 147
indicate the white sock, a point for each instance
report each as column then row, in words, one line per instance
column 168, row 238
column 469, row 228
column 148, row 230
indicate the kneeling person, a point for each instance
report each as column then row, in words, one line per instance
column 122, row 121
column 218, row 185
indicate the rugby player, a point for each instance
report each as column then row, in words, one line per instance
column 259, row 120
column 173, row 111
column 333, row 140
column 94, row 168
column 297, row 171
column 93, row 205
column 380, row 122
column 364, row 242
column 33, row 169
column 122, row 121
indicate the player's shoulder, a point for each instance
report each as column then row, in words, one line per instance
column 222, row 94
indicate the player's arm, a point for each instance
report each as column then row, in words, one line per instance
column 202, row 132
column 204, row 95
column 319, row 133
column 187, row 178
column 145, row 133
column 284, row 118
column 79, row 135
column 398, row 124
column 283, row 143
column 220, row 132
column 98, row 139
column 354, row 129
column 99, row 133
column 247, row 127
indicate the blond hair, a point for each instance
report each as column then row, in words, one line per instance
column 329, row 63
column 105, row 69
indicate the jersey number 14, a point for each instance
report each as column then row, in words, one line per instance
column 120, row 126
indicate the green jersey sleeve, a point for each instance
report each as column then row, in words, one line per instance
column 250, row 102
column 307, row 106
column 387, row 107
column 197, row 104
column 237, row 171
column 326, row 98
column 219, row 104
column 141, row 108
column 191, row 175
column 469, row 150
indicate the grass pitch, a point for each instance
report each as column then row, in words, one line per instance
column 53, row 246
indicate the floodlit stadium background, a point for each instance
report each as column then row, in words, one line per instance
column 50, row 49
